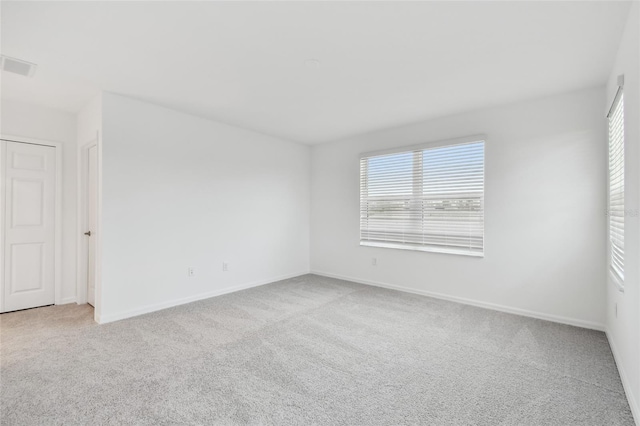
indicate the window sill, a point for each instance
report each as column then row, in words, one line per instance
column 418, row 248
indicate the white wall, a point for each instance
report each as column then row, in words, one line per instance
column 90, row 121
column 544, row 211
column 31, row 121
column 624, row 330
column 180, row 191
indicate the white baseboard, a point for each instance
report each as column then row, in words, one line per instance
column 478, row 303
column 633, row 402
column 66, row 301
column 104, row 319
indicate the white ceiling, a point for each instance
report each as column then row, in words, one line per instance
column 383, row 64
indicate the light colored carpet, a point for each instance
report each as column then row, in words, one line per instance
column 304, row 351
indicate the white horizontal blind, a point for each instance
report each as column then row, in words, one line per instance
column 616, row 189
column 424, row 199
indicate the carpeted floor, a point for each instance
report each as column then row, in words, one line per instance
column 306, row 351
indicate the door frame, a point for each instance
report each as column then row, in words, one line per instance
column 83, row 206
column 58, row 211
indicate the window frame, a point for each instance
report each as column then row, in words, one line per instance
column 618, row 101
column 425, row 146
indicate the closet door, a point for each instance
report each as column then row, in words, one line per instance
column 29, row 173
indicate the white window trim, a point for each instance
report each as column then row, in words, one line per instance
column 422, row 146
column 418, row 248
column 615, row 278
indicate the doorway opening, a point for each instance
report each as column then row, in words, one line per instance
column 88, row 220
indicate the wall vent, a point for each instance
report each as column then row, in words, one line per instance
column 17, row 66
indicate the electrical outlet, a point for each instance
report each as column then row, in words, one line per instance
column 374, row 261
column 191, row 271
column 225, row 266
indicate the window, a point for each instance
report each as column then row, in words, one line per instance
column 425, row 198
column 616, row 189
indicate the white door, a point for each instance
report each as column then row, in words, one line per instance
column 29, row 226
column 92, row 209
